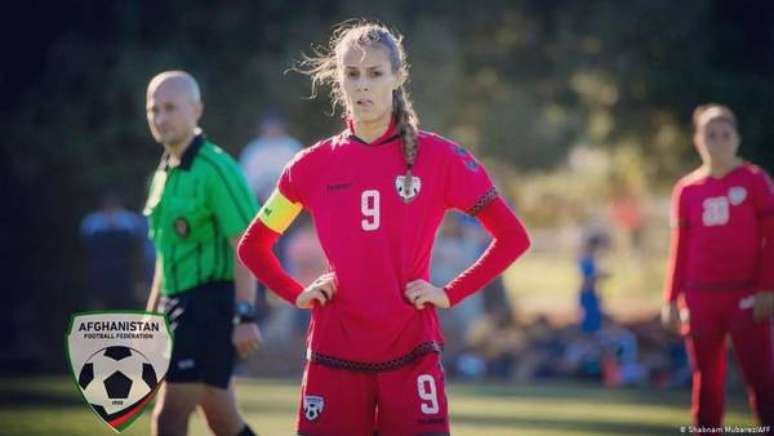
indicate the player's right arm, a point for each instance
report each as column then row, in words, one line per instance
column 678, row 252
column 255, row 249
column 153, row 298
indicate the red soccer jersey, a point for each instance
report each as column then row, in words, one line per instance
column 722, row 232
column 376, row 242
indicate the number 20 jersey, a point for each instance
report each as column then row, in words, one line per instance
column 722, row 225
column 375, row 241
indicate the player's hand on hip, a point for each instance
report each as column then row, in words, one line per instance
column 246, row 338
column 763, row 305
column 671, row 318
column 321, row 292
column 420, row 292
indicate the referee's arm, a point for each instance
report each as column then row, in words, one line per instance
column 246, row 337
column 244, row 282
column 233, row 205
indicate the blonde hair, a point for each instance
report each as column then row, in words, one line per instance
column 705, row 113
column 324, row 68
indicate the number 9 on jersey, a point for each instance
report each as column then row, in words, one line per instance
column 369, row 207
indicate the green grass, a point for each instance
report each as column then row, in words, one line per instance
column 46, row 406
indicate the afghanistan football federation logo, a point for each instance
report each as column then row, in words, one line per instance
column 313, row 406
column 408, row 193
column 118, row 360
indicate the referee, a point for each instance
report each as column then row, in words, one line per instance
column 197, row 208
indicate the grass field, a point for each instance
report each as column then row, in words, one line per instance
column 47, row 406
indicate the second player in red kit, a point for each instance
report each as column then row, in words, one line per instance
column 722, row 264
column 377, row 193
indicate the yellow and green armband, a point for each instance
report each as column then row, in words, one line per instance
column 278, row 212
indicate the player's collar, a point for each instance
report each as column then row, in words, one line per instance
column 389, row 135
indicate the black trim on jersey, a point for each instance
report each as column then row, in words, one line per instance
column 221, row 175
column 190, row 153
column 488, row 197
column 384, row 141
column 413, row 355
column 721, row 286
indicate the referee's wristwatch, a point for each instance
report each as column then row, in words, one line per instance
column 244, row 312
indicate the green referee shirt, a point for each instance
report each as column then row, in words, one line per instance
column 193, row 210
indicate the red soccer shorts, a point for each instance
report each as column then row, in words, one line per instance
column 713, row 318
column 409, row 400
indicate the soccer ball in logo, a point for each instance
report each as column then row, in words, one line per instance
column 115, row 378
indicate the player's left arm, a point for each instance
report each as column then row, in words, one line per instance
column 467, row 187
column 764, row 202
column 509, row 241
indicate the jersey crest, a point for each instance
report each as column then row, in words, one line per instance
column 313, row 406
column 736, row 195
column 182, row 227
column 413, row 187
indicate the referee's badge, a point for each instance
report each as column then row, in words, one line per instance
column 313, row 406
column 413, row 188
column 182, row 227
column 736, row 195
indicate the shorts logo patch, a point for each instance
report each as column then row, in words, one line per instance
column 736, row 195
column 182, row 227
column 413, row 188
column 313, row 406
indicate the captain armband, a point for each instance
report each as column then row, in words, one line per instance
column 278, row 212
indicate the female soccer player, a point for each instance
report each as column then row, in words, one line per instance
column 722, row 263
column 377, row 193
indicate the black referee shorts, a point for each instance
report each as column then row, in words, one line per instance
column 201, row 320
